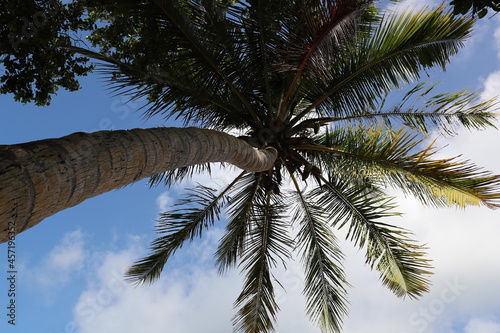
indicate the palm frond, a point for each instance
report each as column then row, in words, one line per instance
column 418, row 110
column 200, row 46
column 443, row 112
column 267, row 242
column 198, row 211
column 171, row 177
column 325, row 280
column 388, row 249
column 231, row 246
column 393, row 158
column 312, row 40
column 167, row 90
column 447, row 182
column 259, row 51
column 399, row 48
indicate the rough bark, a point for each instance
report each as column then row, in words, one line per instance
column 40, row 178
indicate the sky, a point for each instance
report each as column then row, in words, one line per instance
column 70, row 267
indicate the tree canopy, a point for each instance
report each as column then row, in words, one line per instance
column 33, row 57
column 475, row 7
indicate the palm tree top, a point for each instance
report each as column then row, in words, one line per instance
column 309, row 78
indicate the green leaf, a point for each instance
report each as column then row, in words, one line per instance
column 325, row 280
column 395, row 53
column 198, row 211
column 418, row 110
column 391, row 158
column 231, row 246
column 267, row 242
column 400, row 262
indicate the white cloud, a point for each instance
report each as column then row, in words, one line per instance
column 491, row 86
column 69, row 254
column 482, row 326
column 62, row 262
column 164, row 201
column 413, row 5
column 496, row 34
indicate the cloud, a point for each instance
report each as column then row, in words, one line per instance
column 491, row 86
column 61, row 265
column 413, row 5
column 69, row 254
column 62, row 262
column 496, row 34
column 187, row 290
column 164, row 201
column 476, row 325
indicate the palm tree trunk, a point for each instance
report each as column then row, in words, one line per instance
column 40, row 178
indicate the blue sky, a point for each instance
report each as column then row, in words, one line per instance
column 70, row 266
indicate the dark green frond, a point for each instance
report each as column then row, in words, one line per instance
column 423, row 112
column 170, row 91
column 313, row 40
column 171, row 177
column 392, row 158
column 442, row 112
column 325, row 281
column 400, row 263
column 395, row 53
column 231, row 246
column 203, row 48
column 266, row 244
column 420, row 111
column 196, row 212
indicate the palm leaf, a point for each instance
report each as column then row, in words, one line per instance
column 194, row 214
column 325, row 280
column 205, row 59
column 400, row 262
column 266, row 243
column 231, row 246
column 395, row 53
column 171, row 177
column 392, row 158
column 442, row 112
column 316, row 33
column 417, row 110
column 168, row 90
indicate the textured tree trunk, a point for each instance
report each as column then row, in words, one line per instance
column 40, row 178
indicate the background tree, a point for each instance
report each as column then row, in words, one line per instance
column 476, row 7
column 310, row 79
column 33, row 59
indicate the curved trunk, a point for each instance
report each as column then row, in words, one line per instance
column 40, row 178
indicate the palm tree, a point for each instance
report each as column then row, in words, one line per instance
column 307, row 85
